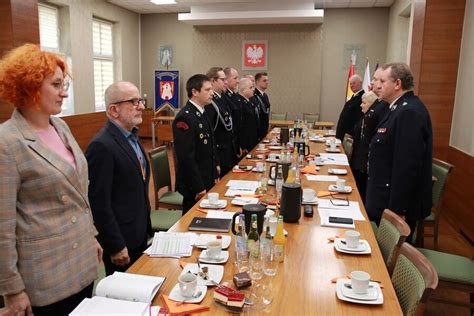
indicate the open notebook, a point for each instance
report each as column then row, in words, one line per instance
column 121, row 294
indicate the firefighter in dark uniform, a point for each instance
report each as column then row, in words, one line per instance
column 250, row 123
column 400, row 155
column 230, row 96
column 351, row 112
column 261, row 85
column 220, row 116
column 197, row 160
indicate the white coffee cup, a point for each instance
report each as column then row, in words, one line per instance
column 187, row 284
column 332, row 146
column 272, row 156
column 308, row 194
column 352, row 238
column 318, row 160
column 261, row 146
column 340, row 184
column 312, row 162
column 213, row 198
column 260, row 166
column 360, row 282
column 214, row 248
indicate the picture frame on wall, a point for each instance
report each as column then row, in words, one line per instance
column 254, row 55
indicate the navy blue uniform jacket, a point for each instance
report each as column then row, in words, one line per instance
column 400, row 160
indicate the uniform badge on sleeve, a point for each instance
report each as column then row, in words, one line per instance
column 182, row 125
column 381, row 130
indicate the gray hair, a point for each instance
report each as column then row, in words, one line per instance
column 401, row 71
column 355, row 78
column 370, row 97
column 113, row 92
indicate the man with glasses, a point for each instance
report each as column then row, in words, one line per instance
column 119, row 174
column 219, row 113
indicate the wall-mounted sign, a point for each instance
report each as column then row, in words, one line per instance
column 255, row 55
column 166, row 89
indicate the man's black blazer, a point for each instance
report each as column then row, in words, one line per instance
column 351, row 113
column 118, row 193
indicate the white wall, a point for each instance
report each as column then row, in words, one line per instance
column 462, row 127
column 399, row 31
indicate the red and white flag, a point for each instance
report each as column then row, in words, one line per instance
column 366, row 84
column 349, row 92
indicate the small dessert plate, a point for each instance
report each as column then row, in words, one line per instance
column 220, row 204
column 175, row 294
column 314, row 201
column 329, row 150
column 333, row 188
column 362, row 249
column 273, row 160
column 202, row 240
column 241, row 201
column 374, row 290
column 258, row 171
column 215, row 273
column 243, row 168
column 275, row 147
column 223, row 257
column 337, row 171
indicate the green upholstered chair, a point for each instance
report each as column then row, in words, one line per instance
column 347, row 143
column 161, row 178
column 391, row 234
column 278, row 116
column 414, row 279
column 100, row 276
column 162, row 220
column 310, row 118
column 455, row 272
column 441, row 171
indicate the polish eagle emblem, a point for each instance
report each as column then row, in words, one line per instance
column 254, row 54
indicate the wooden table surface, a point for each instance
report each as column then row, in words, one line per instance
column 279, row 123
column 302, row 285
column 323, row 125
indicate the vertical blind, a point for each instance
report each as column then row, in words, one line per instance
column 103, row 60
column 48, row 25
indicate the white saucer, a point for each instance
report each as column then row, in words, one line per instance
column 333, row 188
column 247, row 168
column 337, row 171
column 265, row 141
column 273, row 147
column 255, row 170
column 223, row 257
column 216, row 272
column 241, row 201
column 175, row 294
column 314, row 201
column 329, row 150
column 363, row 249
column 220, row 204
column 373, row 291
column 202, row 240
column 271, row 182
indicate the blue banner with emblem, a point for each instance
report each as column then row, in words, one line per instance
column 166, row 89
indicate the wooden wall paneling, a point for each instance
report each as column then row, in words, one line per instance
column 458, row 203
column 18, row 25
column 417, row 40
column 85, row 126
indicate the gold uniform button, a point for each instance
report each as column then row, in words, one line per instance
column 75, row 245
column 64, row 198
column 74, row 219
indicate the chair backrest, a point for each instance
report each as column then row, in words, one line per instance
column 278, row 116
column 310, row 118
column 441, row 171
column 347, row 143
column 160, row 167
column 414, row 279
column 175, row 158
column 391, row 234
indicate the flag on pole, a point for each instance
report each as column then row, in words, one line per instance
column 349, row 92
column 376, row 66
column 366, row 84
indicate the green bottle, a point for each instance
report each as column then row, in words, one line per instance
column 253, row 238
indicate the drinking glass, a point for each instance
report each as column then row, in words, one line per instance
column 256, row 268
column 270, row 265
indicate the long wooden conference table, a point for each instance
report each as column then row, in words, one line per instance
column 303, row 284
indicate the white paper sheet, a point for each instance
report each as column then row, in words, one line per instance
column 243, row 184
column 319, row 177
column 171, row 245
column 324, row 215
column 220, row 214
column 352, row 211
column 334, row 159
column 231, row 192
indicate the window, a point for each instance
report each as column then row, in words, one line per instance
column 103, row 60
column 48, row 26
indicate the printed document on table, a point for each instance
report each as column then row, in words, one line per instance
column 325, row 213
column 243, row 184
column 219, row 214
column 352, row 210
column 171, row 245
column 323, row 178
column 334, row 159
column 231, row 192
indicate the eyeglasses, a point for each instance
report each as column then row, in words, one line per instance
column 339, row 201
column 134, row 101
column 223, row 79
column 62, row 85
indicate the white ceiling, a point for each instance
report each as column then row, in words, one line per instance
column 183, row 6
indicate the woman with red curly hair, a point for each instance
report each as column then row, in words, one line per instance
column 49, row 255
